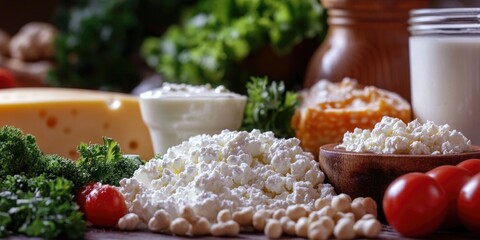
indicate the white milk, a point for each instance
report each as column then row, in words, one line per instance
column 176, row 112
column 445, row 81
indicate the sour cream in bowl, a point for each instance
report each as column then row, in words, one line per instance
column 175, row 112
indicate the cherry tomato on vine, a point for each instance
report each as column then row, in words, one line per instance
column 472, row 165
column 104, row 206
column 451, row 179
column 469, row 204
column 415, row 205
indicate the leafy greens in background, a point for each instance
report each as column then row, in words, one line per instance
column 99, row 40
column 270, row 107
column 216, row 36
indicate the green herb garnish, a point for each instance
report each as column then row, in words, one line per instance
column 270, row 107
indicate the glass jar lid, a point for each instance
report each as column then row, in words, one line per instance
column 445, row 21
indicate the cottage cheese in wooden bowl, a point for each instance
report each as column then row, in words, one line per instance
column 368, row 160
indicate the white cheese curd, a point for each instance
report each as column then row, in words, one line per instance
column 392, row 135
column 231, row 170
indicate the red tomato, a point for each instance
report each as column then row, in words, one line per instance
column 81, row 195
column 104, row 206
column 472, row 165
column 469, row 204
column 415, row 205
column 451, row 179
column 7, row 80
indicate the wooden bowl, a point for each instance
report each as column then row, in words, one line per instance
column 369, row 174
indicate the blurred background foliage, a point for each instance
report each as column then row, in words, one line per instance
column 103, row 44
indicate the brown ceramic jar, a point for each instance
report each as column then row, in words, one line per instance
column 367, row 40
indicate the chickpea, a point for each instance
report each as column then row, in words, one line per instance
column 341, row 203
column 128, row 222
column 369, row 228
column 370, row 206
column 229, row 228
column 357, row 209
column 160, row 221
column 244, row 217
column 288, row 227
column 189, row 214
column 314, row 216
column 259, row 220
column 358, row 199
column 301, row 227
column 368, row 216
column 318, row 233
column 344, row 229
column 327, row 222
column 321, row 203
column 180, row 226
column 273, row 229
column 327, row 211
column 295, row 212
column 340, row 215
column 201, row 227
column 278, row 214
column 224, row 215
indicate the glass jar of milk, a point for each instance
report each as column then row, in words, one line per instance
column 445, row 68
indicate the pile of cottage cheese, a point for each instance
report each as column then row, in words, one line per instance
column 392, row 135
column 230, row 170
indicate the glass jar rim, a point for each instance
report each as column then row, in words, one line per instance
column 445, row 21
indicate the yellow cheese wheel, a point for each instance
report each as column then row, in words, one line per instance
column 61, row 119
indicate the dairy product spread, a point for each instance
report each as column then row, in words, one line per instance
column 392, row 135
column 231, row 170
column 330, row 109
column 176, row 112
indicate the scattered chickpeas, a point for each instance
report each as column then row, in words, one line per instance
column 273, row 229
column 180, row 226
column 228, row 228
column 339, row 217
column 201, row 227
column 244, row 217
column 128, row 222
column 160, row 221
column 224, row 215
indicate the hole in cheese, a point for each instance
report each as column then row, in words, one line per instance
column 133, row 145
column 51, row 122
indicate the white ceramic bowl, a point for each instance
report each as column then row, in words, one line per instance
column 173, row 118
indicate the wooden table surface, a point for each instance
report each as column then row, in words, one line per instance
column 387, row 233
column 111, row 234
